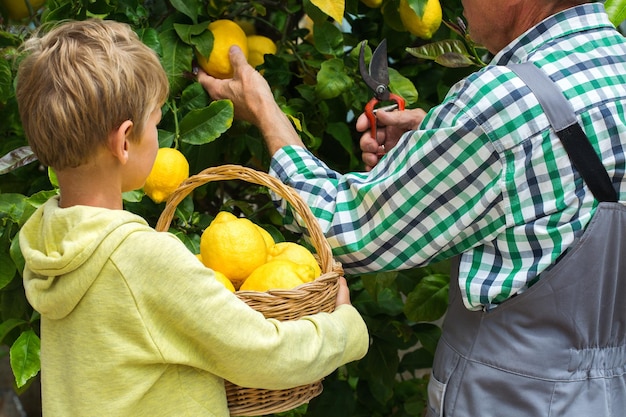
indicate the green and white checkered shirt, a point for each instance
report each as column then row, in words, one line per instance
column 484, row 175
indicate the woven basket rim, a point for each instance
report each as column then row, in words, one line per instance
column 238, row 172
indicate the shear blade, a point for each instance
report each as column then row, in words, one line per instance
column 379, row 69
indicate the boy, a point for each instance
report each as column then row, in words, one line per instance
column 131, row 323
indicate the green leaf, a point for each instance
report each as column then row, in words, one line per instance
column 202, row 126
column 381, row 365
column 402, row 86
column 616, row 9
column 450, row 53
column 187, row 7
column 25, row 360
column 332, row 79
column 7, row 272
column 176, row 59
column 342, row 134
column 16, row 158
column 134, row 196
column 8, row 325
column 150, row 37
column 328, row 39
column 428, row 335
column 6, row 81
column 428, row 301
column 418, row 6
column 12, row 206
column 16, row 253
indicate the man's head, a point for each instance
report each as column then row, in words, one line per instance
column 81, row 81
column 494, row 24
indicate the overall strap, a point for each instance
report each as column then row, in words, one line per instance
column 562, row 117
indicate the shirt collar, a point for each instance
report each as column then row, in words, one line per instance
column 576, row 19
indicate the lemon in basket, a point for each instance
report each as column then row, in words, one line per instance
column 267, row 237
column 232, row 245
column 295, row 253
column 278, row 274
column 220, row 277
column 169, row 170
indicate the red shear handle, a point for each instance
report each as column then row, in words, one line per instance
column 371, row 114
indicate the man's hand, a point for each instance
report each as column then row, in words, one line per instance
column 253, row 101
column 391, row 126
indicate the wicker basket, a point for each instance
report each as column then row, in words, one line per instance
column 310, row 298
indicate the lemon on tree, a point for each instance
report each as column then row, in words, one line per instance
column 296, row 253
column 226, row 33
column 233, row 246
column 18, row 9
column 258, row 46
column 278, row 274
column 374, row 4
column 169, row 170
column 423, row 27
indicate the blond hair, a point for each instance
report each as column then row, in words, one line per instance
column 82, row 80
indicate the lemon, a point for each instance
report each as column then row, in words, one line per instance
column 224, row 280
column 425, row 26
column 374, row 4
column 278, row 274
column 269, row 240
column 258, row 46
column 234, row 246
column 169, row 170
column 296, row 253
column 18, row 9
column 226, row 33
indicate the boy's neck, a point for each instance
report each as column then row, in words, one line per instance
column 89, row 185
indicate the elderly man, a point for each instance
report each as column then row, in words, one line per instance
column 530, row 203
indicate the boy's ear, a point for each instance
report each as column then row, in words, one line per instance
column 118, row 140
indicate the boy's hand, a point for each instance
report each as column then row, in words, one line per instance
column 343, row 295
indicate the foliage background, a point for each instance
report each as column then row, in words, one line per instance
column 315, row 79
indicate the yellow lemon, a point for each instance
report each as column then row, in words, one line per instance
column 258, row 46
column 225, row 281
column 425, row 26
column 278, row 274
column 226, row 33
column 234, row 246
column 374, row 4
column 169, row 170
column 296, row 253
column 18, row 9
column 267, row 237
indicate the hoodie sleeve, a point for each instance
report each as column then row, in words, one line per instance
column 195, row 321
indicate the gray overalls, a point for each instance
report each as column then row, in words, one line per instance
column 557, row 349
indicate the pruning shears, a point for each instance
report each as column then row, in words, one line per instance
column 377, row 79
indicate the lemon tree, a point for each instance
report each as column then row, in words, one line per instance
column 315, row 77
column 169, row 170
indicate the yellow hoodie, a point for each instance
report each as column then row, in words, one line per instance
column 132, row 324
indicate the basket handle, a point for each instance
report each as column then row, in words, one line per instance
column 238, row 172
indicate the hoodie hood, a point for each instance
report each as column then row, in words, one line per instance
column 65, row 249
